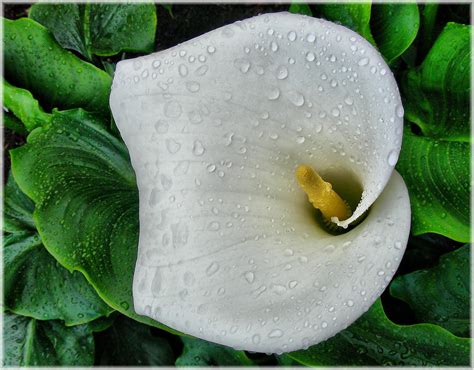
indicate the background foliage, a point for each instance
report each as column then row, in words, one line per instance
column 70, row 201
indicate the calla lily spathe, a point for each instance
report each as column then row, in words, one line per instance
column 229, row 250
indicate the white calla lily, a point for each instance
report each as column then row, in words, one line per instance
column 229, row 248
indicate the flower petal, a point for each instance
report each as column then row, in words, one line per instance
column 229, row 250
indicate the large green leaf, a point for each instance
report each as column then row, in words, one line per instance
column 437, row 174
column 354, row 16
column 17, row 209
column 100, row 29
column 24, row 106
column 440, row 295
column 84, row 188
column 375, row 340
column 437, row 94
column 129, row 343
column 35, row 61
column 35, row 285
column 30, row 342
column 394, row 27
column 201, row 353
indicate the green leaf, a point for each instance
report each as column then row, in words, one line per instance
column 24, row 106
column 437, row 94
column 394, row 27
column 35, row 285
column 300, row 8
column 437, row 175
column 354, row 16
column 29, row 342
column 100, row 29
column 35, row 61
column 440, row 295
column 375, row 340
column 129, row 343
column 14, row 124
column 17, row 209
column 84, row 188
column 201, row 353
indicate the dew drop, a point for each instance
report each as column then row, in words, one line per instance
column 277, row 333
column 291, row 36
column 249, row 276
column 363, row 62
column 310, row 57
column 211, row 49
column 392, row 158
column 273, row 93
column 211, row 168
column 282, row 72
column 198, row 148
column 242, row 64
column 296, row 98
column 183, row 70
column 399, row 111
column 212, row 269
column 300, row 139
column 193, row 86
column 311, row 37
column 173, row 146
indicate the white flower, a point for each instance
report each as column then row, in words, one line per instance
column 229, row 248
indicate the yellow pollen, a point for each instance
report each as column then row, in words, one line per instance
column 321, row 195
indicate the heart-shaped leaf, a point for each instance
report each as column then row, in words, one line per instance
column 35, row 285
column 30, row 342
column 91, row 225
column 441, row 294
column 100, row 29
column 437, row 176
column 437, row 94
column 35, row 61
column 375, row 340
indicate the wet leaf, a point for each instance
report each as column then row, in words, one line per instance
column 437, row 175
column 30, row 342
column 441, row 294
column 300, row 8
column 57, row 78
column 437, row 94
column 84, row 188
column 24, row 106
column 354, row 16
column 199, row 352
column 99, row 29
column 375, row 340
column 394, row 27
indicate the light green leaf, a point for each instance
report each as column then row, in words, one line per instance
column 57, row 78
column 100, row 29
column 437, row 175
column 394, row 27
column 199, row 352
column 35, row 285
column 441, row 294
column 129, row 343
column 300, row 8
column 354, row 16
column 91, row 224
column 29, row 342
column 24, row 106
column 375, row 340
column 437, row 94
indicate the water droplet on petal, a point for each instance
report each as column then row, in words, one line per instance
column 392, row 158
